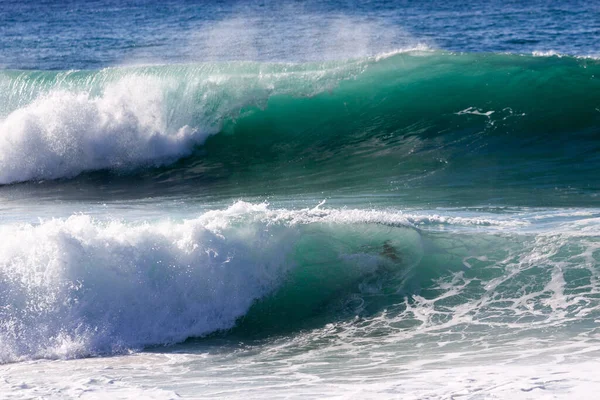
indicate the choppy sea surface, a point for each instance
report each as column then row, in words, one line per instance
column 299, row 200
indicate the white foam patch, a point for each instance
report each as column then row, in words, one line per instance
column 76, row 287
column 554, row 53
column 385, row 217
column 547, row 53
column 417, row 49
column 475, row 111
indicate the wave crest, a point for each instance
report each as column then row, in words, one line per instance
column 62, row 133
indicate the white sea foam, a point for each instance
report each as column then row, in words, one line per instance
column 547, row 53
column 63, row 133
column 554, row 53
column 475, row 111
column 76, row 287
column 418, row 48
column 566, row 371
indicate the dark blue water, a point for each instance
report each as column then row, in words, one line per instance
column 94, row 34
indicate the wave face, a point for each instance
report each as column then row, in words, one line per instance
column 428, row 118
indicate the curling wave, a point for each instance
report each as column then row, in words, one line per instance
column 384, row 119
column 77, row 286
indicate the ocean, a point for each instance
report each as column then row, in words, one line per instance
column 280, row 199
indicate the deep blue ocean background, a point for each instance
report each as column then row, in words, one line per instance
column 94, row 34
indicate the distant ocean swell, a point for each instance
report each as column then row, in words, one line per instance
column 427, row 108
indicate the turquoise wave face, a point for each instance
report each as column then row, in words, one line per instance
column 441, row 126
column 429, row 126
column 498, row 279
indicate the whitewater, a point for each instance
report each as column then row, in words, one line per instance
column 328, row 200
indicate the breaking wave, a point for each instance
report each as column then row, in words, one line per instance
column 399, row 112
